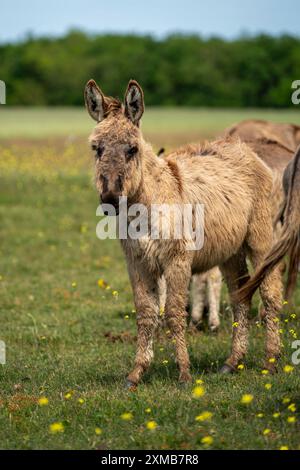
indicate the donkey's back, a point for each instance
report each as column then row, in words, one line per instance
column 230, row 180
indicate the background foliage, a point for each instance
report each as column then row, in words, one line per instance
column 176, row 70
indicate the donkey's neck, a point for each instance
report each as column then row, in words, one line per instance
column 157, row 182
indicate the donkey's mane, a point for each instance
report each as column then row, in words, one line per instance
column 113, row 106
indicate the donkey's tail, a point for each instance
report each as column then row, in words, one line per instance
column 293, row 268
column 289, row 240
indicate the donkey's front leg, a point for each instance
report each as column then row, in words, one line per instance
column 177, row 277
column 146, row 300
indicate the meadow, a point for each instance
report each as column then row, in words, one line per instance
column 68, row 320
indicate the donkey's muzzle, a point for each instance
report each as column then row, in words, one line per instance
column 111, row 199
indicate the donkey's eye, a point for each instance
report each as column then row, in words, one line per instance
column 99, row 150
column 131, row 152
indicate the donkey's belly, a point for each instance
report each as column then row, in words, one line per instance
column 221, row 241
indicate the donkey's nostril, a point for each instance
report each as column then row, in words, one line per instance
column 110, row 198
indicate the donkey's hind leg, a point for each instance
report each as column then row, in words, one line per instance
column 236, row 274
column 198, row 288
column 214, row 295
column 271, row 294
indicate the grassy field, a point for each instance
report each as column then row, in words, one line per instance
column 68, row 319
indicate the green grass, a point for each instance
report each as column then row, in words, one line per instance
column 55, row 330
column 45, row 122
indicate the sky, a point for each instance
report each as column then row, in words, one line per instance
column 225, row 18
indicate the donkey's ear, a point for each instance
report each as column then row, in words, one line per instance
column 95, row 101
column 134, row 102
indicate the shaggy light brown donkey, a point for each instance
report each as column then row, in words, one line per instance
column 277, row 156
column 206, row 293
column 290, row 238
column 287, row 135
column 234, row 186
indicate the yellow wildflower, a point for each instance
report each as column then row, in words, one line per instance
column 264, row 372
column 205, row 416
column 56, row 428
column 207, row 440
column 266, row 431
column 288, row 369
column 98, row 431
column 74, row 284
column 241, row 366
column 276, row 415
column 268, row 386
column 43, row 401
column 292, row 407
column 291, row 419
column 101, row 283
column 199, row 381
column 235, row 324
column 198, row 391
column 81, row 401
column 286, row 400
column 247, row 399
column 68, row 395
column 165, row 361
column 260, row 415
column 272, row 360
column 151, row 425
column 127, row 416
column 148, row 410
column 284, row 448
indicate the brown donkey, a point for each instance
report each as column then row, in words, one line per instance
column 288, row 135
column 290, row 237
column 234, row 186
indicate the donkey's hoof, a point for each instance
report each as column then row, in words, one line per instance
column 130, row 386
column 271, row 368
column 214, row 329
column 185, row 379
column 195, row 326
column 226, row 369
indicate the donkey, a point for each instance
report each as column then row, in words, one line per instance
column 234, row 186
column 285, row 134
column 206, row 288
column 279, row 158
column 290, row 237
column 206, row 292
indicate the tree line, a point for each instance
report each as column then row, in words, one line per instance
column 184, row 70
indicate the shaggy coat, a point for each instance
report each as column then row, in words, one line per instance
column 232, row 183
column 288, row 135
column 290, row 238
column 275, row 144
column 206, row 293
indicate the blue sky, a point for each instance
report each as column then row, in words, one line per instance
column 227, row 18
